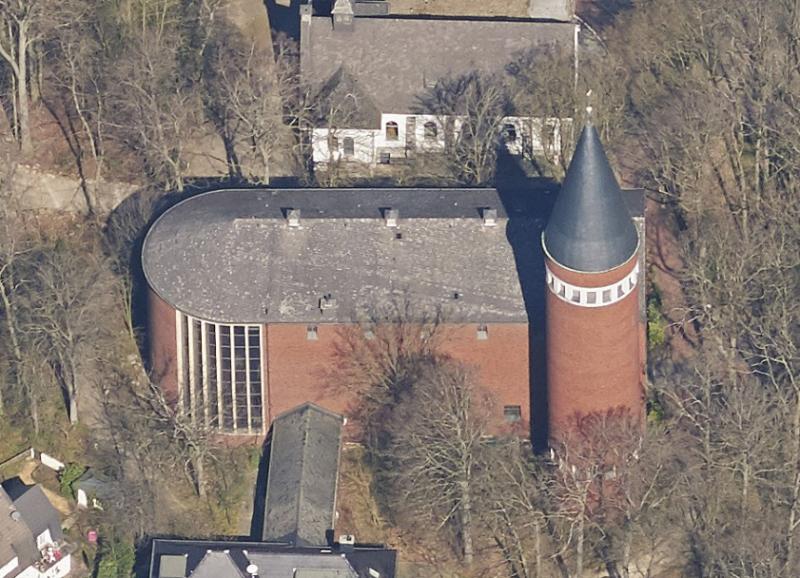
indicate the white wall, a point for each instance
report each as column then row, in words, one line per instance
column 368, row 143
column 7, row 568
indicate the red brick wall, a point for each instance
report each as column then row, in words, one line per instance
column 299, row 370
column 594, row 359
column 162, row 344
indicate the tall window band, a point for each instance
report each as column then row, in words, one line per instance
column 219, row 374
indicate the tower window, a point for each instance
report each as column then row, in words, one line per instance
column 591, row 297
column 392, row 130
column 576, row 295
column 607, row 296
column 512, row 413
column 349, row 146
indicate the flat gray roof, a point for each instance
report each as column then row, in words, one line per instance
column 230, row 256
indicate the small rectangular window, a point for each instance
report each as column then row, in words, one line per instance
column 576, row 295
column 512, row 413
column 591, row 297
column 385, row 158
column 607, row 296
column 483, row 333
column 311, row 333
column 620, row 290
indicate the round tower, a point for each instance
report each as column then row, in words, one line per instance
column 591, row 245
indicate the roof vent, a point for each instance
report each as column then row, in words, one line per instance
column 327, row 301
column 489, row 217
column 252, row 569
column 293, row 217
column 15, row 515
column 391, row 216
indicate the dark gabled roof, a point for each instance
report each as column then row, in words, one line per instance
column 275, row 560
column 303, row 470
column 397, row 59
column 590, row 228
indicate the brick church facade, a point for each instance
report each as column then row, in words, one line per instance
column 251, row 292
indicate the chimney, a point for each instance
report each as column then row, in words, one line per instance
column 343, row 15
column 391, row 216
column 489, row 217
column 293, row 217
column 347, row 543
column 327, row 301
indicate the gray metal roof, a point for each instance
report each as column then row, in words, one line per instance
column 303, row 470
column 230, row 255
column 397, row 59
column 590, row 228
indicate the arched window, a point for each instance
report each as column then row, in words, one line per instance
column 510, row 133
column 349, row 146
column 392, row 130
column 431, row 131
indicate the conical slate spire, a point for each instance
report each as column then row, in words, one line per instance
column 590, row 228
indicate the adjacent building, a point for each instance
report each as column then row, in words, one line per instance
column 382, row 78
column 206, row 559
column 31, row 541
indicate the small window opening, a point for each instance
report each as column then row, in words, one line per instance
column 512, row 413
column 576, row 295
column 311, row 333
column 385, row 158
column 620, row 290
column 431, row 131
column 509, row 133
column 392, row 130
column 591, row 297
column 607, row 296
column 483, row 333
column 349, row 146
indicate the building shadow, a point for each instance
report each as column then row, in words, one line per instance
column 527, row 202
column 260, row 492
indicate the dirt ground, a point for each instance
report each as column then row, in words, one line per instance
column 508, row 8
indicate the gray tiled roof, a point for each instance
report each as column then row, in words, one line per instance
column 217, row 564
column 230, row 256
column 16, row 539
column 276, row 561
column 397, row 59
column 38, row 513
column 590, row 228
column 303, row 471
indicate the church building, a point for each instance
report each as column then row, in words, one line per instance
column 250, row 292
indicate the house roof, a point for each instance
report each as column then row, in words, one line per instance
column 274, row 560
column 16, row 539
column 342, row 102
column 230, row 256
column 38, row 513
column 217, row 564
column 590, row 228
column 397, row 59
column 303, row 471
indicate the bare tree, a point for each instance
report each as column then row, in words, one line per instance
column 21, row 27
column 437, row 434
